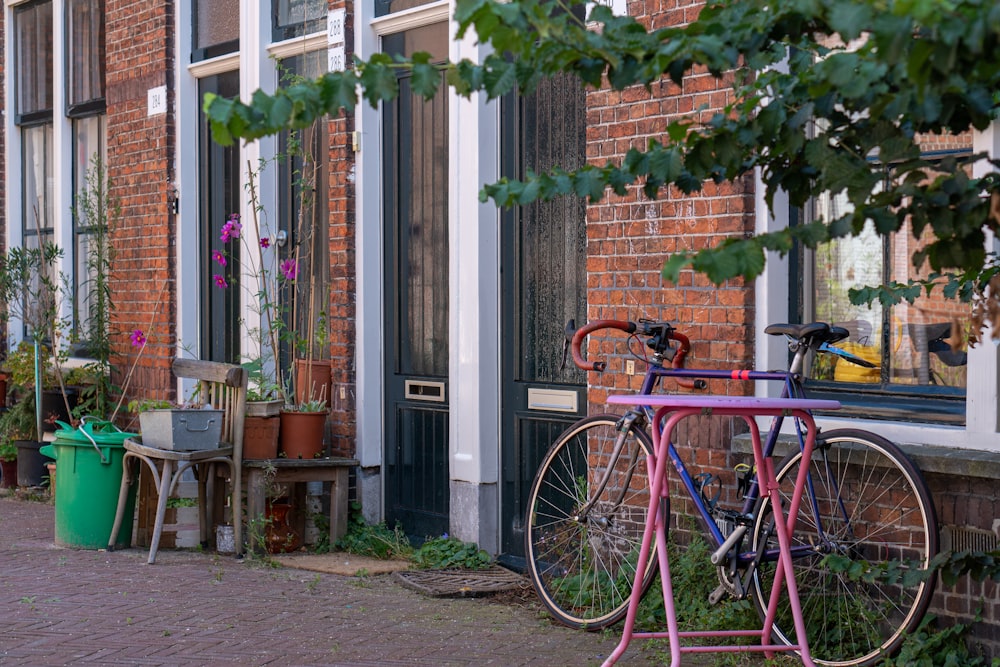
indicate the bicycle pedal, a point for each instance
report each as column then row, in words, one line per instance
column 715, row 597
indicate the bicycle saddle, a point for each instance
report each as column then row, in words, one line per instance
column 818, row 331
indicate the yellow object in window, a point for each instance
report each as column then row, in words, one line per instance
column 845, row 371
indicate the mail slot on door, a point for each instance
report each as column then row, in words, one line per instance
column 419, row 390
column 556, row 400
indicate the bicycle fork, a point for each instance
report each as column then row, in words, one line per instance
column 624, row 425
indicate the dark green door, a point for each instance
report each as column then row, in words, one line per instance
column 544, row 280
column 415, row 158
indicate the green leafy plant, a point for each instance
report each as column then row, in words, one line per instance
column 312, row 405
column 8, row 450
column 445, row 552
column 18, row 423
column 374, row 540
column 931, row 645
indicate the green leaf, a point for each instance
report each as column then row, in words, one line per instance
column 851, row 18
column 674, row 265
column 425, row 77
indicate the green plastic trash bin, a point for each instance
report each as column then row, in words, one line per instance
column 89, row 467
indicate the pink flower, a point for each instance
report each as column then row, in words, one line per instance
column 232, row 228
column 219, row 257
column 220, row 281
column 138, row 338
column 265, row 243
column 289, row 269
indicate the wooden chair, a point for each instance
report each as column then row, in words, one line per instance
column 224, row 386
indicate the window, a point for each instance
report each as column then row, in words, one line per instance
column 33, row 61
column 90, row 213
column 219, row 175
column 295, row 18
column 36, row 161
column 909, row 345
column 385, row 7
column 303, row 214
column 216, row 29
column 85, row 56
column 85, row 62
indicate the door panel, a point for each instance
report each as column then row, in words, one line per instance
column 544, row 285
column 415, row 180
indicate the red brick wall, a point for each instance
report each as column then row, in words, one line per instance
column 343, row 421
column 141, row 154
column 630, row 237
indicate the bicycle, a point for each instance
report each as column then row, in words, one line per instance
column 866, row 504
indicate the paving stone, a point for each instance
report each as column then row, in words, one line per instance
column 77, row 607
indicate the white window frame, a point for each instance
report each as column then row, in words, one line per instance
column 982, row 407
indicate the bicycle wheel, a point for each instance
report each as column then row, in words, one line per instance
column 582, row 545
column 870, row 504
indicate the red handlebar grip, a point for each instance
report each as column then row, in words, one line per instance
column 682, row 349
column 586, row 330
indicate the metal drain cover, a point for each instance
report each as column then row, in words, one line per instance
column 461, row 583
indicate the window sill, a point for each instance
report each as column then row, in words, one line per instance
column 935, row 459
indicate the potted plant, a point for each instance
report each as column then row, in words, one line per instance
column 304, row 420
column 18, row 426
column 185, row 428
column 261, row 279
column 288, row 314
column 29, row 287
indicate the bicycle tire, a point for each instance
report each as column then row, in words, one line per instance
column 891, row 523
column 583, row 569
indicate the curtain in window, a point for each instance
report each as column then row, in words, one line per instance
column 85, row 51
column 33, row 57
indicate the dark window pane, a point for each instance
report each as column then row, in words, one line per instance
column 294, row 18
column 383, row 7
column 216, row 28
column 33, row 55
column 219, row 180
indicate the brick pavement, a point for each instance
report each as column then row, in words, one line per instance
column 64, row 607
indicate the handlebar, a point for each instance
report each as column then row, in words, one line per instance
column 579, row 334
column 660, row 335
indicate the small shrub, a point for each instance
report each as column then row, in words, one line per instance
column 445, row 552
column 374, row 540
column 932, row 646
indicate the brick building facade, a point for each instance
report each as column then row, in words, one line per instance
column 424, row 389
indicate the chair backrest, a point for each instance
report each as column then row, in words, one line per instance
column 224, row 386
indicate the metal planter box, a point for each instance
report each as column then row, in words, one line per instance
column 184, row 430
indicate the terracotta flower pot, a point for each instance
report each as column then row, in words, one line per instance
column 263, row 408
column 312, row 380
column 260, row 437
column 302, row 434
column 279, row 534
